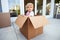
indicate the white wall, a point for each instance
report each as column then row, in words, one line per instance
column 5, row 5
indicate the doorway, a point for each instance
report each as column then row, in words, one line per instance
column 29, row 1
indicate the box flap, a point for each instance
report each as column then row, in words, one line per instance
column 21, row 20
column 38, row 21
column 5, row 19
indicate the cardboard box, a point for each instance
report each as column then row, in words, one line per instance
column 5, row 20
column 31, row 26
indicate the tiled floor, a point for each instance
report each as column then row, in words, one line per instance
column 51, row 32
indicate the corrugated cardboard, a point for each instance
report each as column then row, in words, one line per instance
column 5, row 20
column 31, row 26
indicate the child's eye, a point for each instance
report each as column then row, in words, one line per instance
column 27, row 7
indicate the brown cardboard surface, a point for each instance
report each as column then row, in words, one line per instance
column 5, row 19
column 31, row 26
column 21, row 20
column 38, row 21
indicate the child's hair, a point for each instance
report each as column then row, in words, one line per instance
column 29, row 4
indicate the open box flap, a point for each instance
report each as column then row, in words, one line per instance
column 38, row 21
column 21, row 20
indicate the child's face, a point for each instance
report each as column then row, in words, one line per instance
column 30, row 8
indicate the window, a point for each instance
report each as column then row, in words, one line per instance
column 14, row 7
